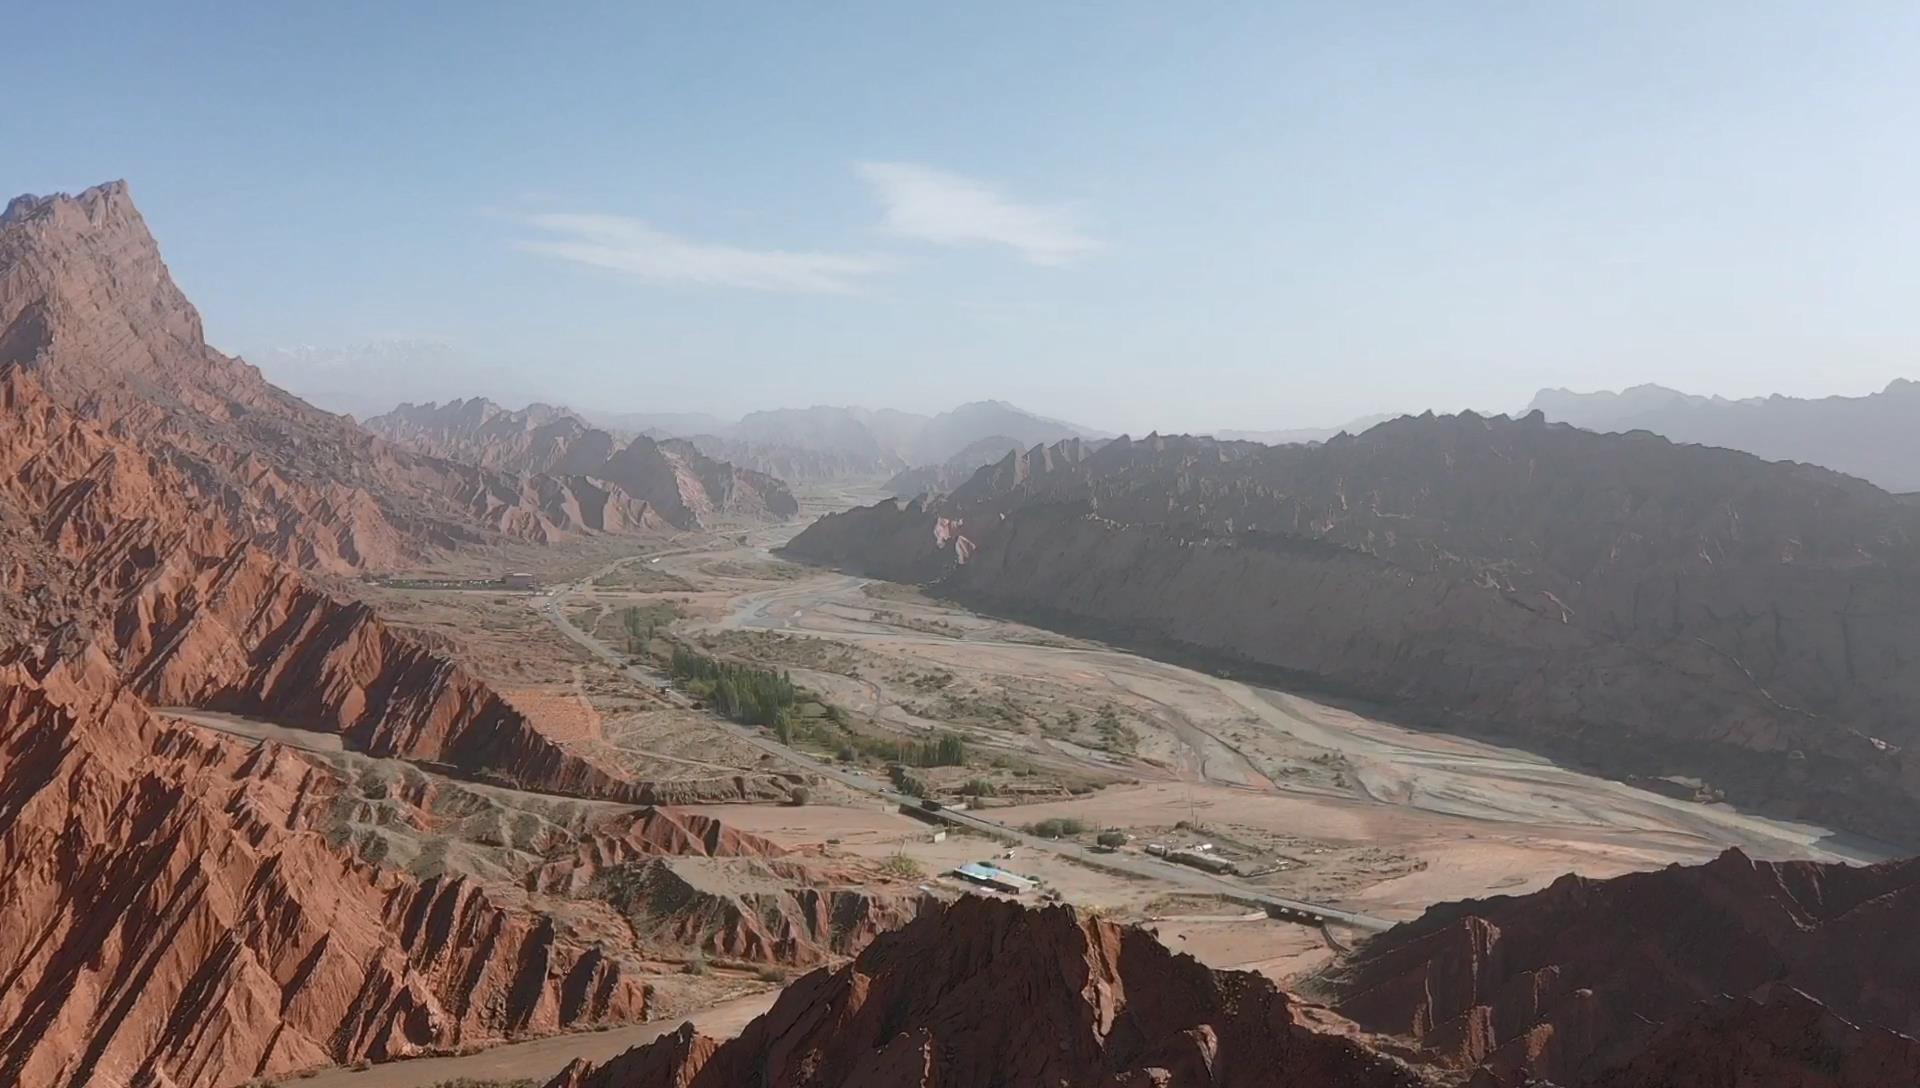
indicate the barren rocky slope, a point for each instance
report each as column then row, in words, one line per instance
column 87, row 306
column 989, row 993
column 673, row 477
column 1875, row 437
column 168, row 916
column 174, row 906
column 1585, row 978
column 954, row 471
column 1776, row 1037
column 120, row 559
column 688, row 882
column 669, row 885
column 1642, row 607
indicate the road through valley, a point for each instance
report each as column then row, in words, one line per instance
column 1477, row 818
column 1430, row 772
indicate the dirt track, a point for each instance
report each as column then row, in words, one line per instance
column 539, row 1059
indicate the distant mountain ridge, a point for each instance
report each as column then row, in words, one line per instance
column 674, row 477
column 828, row 443
column 1640, row 606
column 1303, row 435
column 955, row 471
column 1875, row 437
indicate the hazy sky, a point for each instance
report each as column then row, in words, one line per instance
column 1130, row 215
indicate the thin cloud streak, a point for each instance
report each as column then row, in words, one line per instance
column 947, row 209
column 638, row 249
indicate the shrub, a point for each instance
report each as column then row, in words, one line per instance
column 903, row 867
column 1112, row 839
column 1056, row 827
column 907, row 782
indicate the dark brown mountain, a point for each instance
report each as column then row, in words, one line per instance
column 674, row 477
column 1776, row 1037
column 1640, row 607
column 988, row 994
column 1737, row 965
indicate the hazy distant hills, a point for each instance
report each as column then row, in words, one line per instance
column 824, row 442
column 683, row 483
column 1875, row 437
column 955, row 470
column 1300, row 435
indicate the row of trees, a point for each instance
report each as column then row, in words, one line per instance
column 744, row 693
column 641, row 623
column 945, row 750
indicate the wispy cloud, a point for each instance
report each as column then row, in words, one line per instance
column 639, row 249
column 948, row 209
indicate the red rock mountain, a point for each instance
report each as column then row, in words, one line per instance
column 88, row 309
column 688, row 881
column 988, row 994
column 674, row 477
column 1618, row 600
column 168, row 916
column 1585, row 978
column 171, row 912
column 114, row 552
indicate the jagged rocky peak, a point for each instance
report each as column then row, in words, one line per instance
column 1569, row 982
column 86, row 299
column 88, row 307
column 672, row 476
column 986, row 993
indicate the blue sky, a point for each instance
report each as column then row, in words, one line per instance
column 1132, row 215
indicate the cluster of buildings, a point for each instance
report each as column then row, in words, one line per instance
column 992, row 876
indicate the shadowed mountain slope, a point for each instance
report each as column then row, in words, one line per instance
column 1641, row 607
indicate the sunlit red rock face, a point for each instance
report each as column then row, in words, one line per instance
column 1637, row 606
column 685, row 485
column 158, row 499
column 990, row 994
column 167, row 917
column 87, row 305
column 196, row 615
column 1579, row 978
